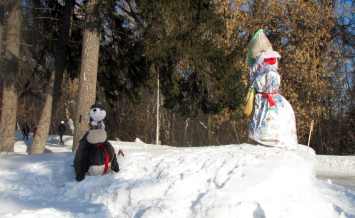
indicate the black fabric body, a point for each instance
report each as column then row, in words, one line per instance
column 87, row 155
column 25, row 130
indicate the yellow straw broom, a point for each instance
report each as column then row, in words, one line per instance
column 249, row 102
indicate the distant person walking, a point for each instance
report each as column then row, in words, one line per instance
column 25, row 131
column 61, row 130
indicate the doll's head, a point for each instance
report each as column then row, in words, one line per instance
column 266, row 59
column 96, row 115
column 258, row 44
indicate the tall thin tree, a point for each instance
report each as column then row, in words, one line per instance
column 54, row 87
column 62, row 49
column 2, row 13
column 158, row 103
column 88, row 71
column 11, row 63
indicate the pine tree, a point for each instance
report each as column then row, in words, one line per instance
column 122, row 58
column 196, row 71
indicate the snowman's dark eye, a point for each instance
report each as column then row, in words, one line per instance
column 94, row 110
column 100, row 109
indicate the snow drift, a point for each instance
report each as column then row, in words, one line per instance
column 224, row 181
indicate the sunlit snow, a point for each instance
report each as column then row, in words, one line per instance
column 161, row 181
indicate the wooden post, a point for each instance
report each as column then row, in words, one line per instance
column 157, row 136
column 310, row 133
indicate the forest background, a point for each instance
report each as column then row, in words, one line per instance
column 58, row 57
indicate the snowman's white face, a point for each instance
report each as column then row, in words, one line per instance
column 97, row 114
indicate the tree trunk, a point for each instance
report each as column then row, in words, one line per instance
column 39, row 142
column 209, row 129
column 2, row 11
column 11, row 58
column 61, row 57
column 158, row 123
column 173, row 132
column 186, row 143
column 88, row 71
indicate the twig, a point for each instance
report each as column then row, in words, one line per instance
column 120, row 152
column 52, row 18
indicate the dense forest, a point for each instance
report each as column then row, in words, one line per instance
column 182, row 63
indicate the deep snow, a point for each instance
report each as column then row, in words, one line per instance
column 162, row 181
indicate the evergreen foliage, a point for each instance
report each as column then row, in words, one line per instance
column 195, row 70
column 122, row 64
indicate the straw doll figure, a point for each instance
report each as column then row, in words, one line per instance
column 273, row 121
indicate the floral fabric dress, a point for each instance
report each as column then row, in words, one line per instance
column 271, row 125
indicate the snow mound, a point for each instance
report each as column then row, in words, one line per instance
column 224, row 181
column 138, row 141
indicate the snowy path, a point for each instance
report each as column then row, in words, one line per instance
column 345, row 180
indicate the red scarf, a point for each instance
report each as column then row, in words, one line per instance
column 269, row 96
column 107, row 159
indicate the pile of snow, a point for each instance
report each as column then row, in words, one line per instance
column 224, row 181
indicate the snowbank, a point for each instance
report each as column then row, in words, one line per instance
column 224, row 181
column 337, row 169
column 345, row 164
column 22, row 147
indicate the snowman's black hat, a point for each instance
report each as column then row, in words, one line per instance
column 97, row 106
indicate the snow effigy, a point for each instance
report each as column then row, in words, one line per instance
column 273, row 120
column 95, row 155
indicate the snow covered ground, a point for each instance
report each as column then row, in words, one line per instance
column 162, row 181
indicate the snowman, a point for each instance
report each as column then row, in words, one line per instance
column 95, row 155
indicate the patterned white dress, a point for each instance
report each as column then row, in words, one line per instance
column 271, row 125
